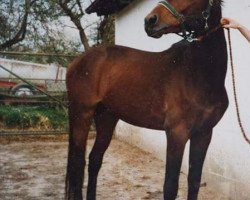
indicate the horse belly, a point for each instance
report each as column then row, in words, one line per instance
column 137, row 111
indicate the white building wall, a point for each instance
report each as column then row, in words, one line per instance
column 227, row 166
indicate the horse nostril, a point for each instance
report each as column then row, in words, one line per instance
column 151, row 20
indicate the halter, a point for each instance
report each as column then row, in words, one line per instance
column 182, row 18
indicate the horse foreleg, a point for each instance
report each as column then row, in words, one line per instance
column 176, row 141
column 199, row 143
column 105, row 123
column 80, row 121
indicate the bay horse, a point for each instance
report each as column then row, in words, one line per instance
column 180, row 90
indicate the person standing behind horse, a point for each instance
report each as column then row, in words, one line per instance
column 231, row 23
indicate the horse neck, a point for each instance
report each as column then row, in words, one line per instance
column 215, row 39
column 207, row 57
column 213, row 54
column 214, row 43
column 216, row 14
column 213, row 20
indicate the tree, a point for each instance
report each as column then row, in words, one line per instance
column 106, row 30
column 73, row 9
column 38, row 25
column 8, row 33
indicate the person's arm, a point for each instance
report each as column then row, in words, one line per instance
column 230, row 23
column 245, row 32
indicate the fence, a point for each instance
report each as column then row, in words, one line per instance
column 33, row 98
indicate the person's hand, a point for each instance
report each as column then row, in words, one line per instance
column 229, row 23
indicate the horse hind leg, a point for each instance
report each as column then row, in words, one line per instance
column 199, row 143
column 105, row 122
column 80, row 118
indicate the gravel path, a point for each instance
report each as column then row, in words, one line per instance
column 36, row 170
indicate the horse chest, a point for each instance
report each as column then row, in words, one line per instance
column 194, row 110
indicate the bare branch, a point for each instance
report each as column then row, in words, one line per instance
column 76, row 20
column 80, row 7
column 20, row 35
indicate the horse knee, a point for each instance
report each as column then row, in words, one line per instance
column 95, row 162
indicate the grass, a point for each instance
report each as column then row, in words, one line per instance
column 25, row 117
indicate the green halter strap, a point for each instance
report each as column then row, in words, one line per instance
column 172, row 10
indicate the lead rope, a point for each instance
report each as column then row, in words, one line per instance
column 234, row 89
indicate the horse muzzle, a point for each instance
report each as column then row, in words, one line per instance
column 155, row 31
column 152, row 26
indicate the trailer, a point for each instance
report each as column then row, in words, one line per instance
column 49, row 77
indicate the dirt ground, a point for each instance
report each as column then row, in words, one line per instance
column 32, row 170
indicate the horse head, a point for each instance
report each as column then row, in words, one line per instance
column 179, row 16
